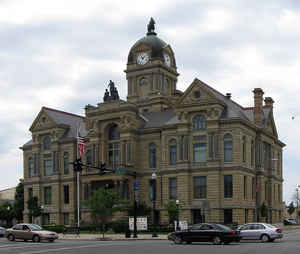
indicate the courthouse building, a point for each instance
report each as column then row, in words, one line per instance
column 220, row 160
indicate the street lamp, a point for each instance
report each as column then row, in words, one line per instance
column 153, row 197
column 177, row 209
column 297, row 212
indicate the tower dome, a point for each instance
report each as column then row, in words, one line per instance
column 156, row 45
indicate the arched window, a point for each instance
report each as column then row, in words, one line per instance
column 47, row 143
column 113, row 146
column 114, row 133
column 30, row 167
column 173, row 151
column 152, row 155
column 244, row 148
column 66, row 163
column 199, row 122
column 228, row 148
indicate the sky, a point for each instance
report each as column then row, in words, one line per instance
column 62, row 54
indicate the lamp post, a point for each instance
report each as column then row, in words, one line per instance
column 177, row 209
column 153, row 197
column 8, row 209
column 297, row 212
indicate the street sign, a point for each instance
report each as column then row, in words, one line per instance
column 141, row 223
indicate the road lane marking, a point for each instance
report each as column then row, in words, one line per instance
column 72, row 248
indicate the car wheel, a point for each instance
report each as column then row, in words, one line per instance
column 51, row 240
column 265, row 238
column 217, row 240
column 11, row 237
column 177, row 240
column 36, row 238
column 188, row 242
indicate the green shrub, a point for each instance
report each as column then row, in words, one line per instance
column 118, row 227
column 55, row 228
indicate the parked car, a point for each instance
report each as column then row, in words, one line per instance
column 30, row 232
column 290, row 222
column 205, row 232
column 2, row 231
column 260, row 231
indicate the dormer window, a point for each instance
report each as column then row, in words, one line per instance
column 197, row 94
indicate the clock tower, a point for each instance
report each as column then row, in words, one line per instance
column 151, row 72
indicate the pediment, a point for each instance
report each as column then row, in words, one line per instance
column 42, row 121
column 198, row 94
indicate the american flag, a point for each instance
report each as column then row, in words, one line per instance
column 80, row 146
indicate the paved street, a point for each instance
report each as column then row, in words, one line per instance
column 289, row 245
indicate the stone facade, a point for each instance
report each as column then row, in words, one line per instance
column 219, row 159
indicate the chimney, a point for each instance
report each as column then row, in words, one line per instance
column 258, row 105
column 228, row 95
column 269, row 102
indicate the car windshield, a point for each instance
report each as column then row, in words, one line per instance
column 270, row 226
column 35, row 227
column 223, row 227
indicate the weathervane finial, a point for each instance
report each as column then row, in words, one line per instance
column 151, row 27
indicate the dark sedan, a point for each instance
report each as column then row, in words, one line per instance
column 206, row 232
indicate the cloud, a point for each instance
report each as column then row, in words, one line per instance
column 61, row 54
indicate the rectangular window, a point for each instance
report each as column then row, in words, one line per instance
column 228, row 190
column 245, row 187
column 200, row 152
column 66, row 194
column 279, row 194
column 252, row 153
column 48, row 166
column 30, row 193
column 89, row 157
column 173, row 154
column 227, row 216
column 66, row 164
column 199, row 187
column 253, row 188
column 172, row 188
column 246, row 215
column 66, row 218
column 47, row 195
column 228, row 151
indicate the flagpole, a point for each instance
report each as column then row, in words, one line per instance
column 78, row 201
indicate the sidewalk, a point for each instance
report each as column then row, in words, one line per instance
column 110, row 237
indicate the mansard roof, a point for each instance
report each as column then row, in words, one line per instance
column 158, row 119
column 72, row 120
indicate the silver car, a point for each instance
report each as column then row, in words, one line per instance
column 2, row 231
column 260, row 231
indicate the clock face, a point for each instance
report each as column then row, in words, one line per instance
column 167, row 60
column 142, row 58
column 143, row 81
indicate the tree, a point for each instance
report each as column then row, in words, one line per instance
column 103, row 203
column 6, row 212
column 142, row 210
column 172, row 211
column 291, row 208
column 18, row 207
column 34, row 207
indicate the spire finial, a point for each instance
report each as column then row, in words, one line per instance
column 151, row 27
